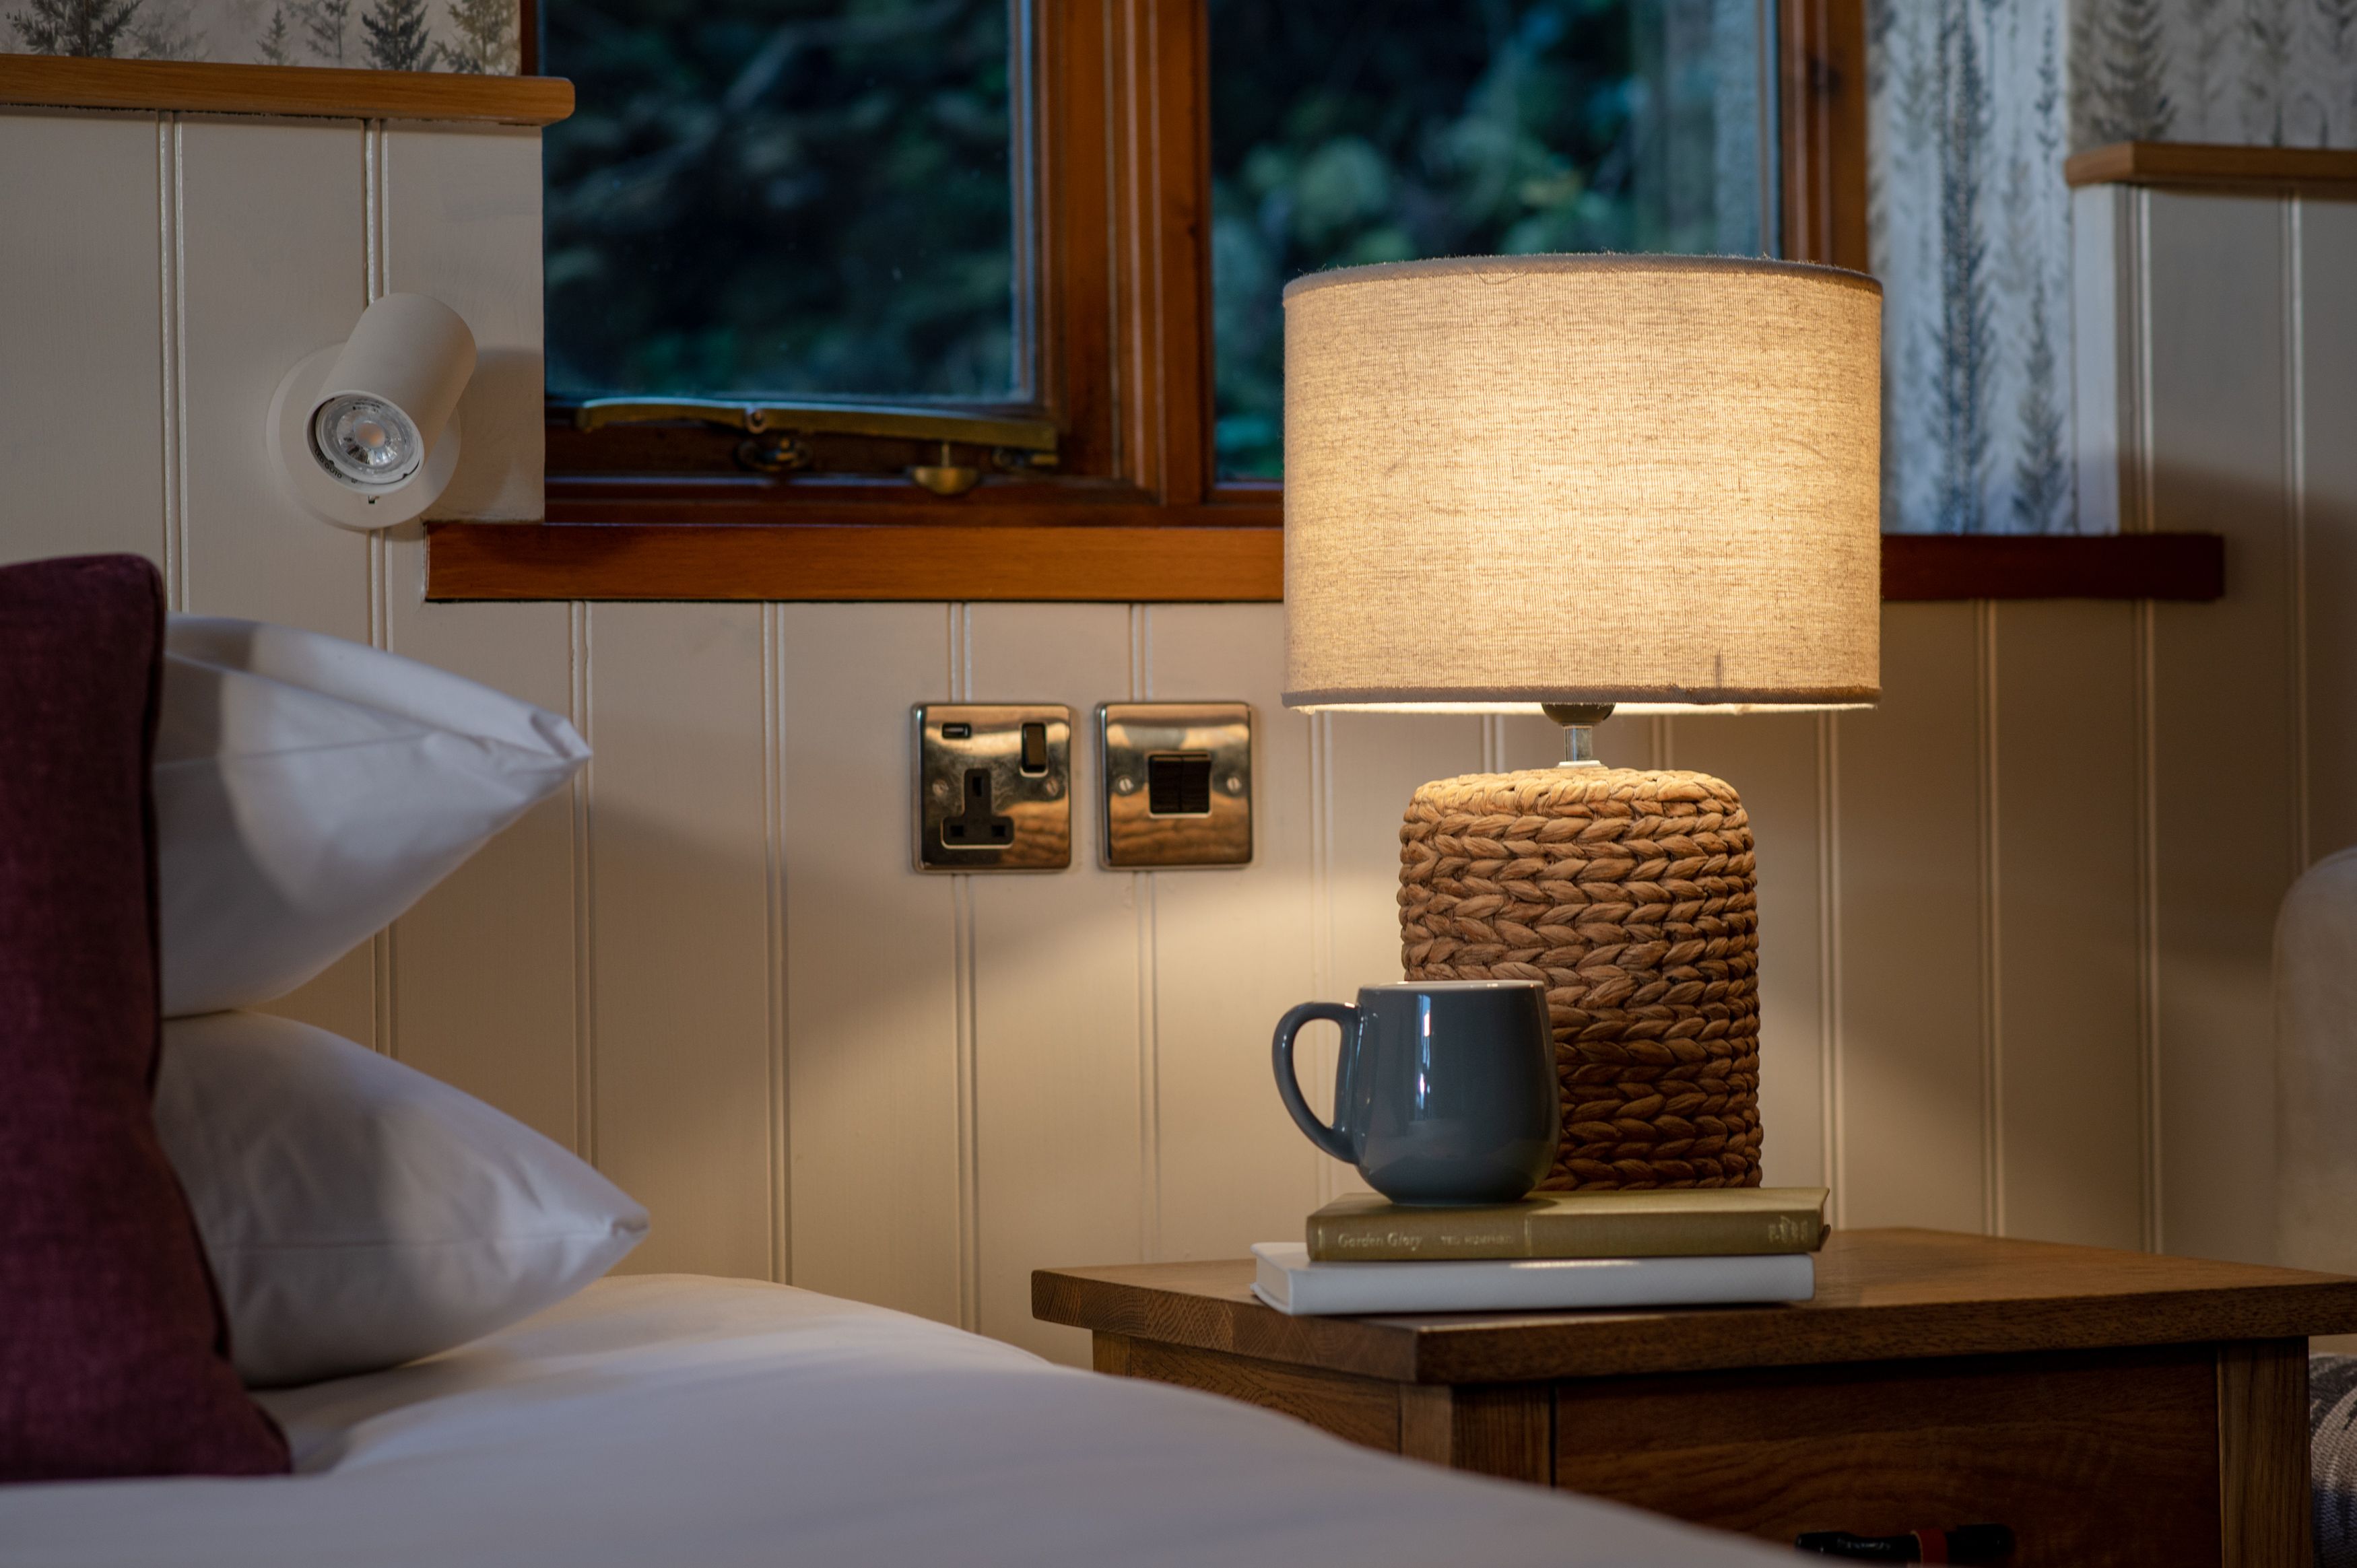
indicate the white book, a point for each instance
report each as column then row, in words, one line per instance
column 1288, row 1281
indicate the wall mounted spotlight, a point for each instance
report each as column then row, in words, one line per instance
column 365, row 434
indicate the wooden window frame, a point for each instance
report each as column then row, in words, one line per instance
column 1120, row 203
column 1121, row 307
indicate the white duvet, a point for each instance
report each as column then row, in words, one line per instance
column 661, row 1421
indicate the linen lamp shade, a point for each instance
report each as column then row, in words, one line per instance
column 1576, row 482
column 1632, row 480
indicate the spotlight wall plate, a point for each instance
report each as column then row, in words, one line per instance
column 306, row 480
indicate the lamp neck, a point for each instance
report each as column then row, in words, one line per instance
column 1579, row 721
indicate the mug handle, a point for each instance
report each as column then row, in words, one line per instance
column 1288, row 1086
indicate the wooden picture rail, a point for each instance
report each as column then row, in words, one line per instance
column 1205, row 561
column 45, row 81
column 2182, row 566
column 2202, row 166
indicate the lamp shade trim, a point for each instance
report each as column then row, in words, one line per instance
column 1473, row 700
column 1516, row 266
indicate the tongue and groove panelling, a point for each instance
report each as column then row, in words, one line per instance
column 2015, row 922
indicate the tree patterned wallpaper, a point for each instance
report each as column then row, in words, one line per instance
column 1972, row 106
column 477, row 36
column 2269, row 73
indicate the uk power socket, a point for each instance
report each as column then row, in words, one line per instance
column 994, row 786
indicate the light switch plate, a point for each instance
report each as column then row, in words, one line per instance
column 994, row 786
column 1177, row 783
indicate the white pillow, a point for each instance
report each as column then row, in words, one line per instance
column 359, row 1214
column 2315, row 1067
column 309, row 790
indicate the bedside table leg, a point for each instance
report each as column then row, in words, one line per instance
column 1109, row 1354
column 1505, row 1430
column 2263, row 1473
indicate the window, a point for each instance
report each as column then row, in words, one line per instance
column 1089, row 207
column 774, row 199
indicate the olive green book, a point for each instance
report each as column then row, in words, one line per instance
column 1709, row 1222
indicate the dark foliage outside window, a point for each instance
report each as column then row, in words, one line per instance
column 813, row 198
column 1354, row 130
column 792, row 198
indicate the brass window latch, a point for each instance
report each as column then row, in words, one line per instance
column 788, row 437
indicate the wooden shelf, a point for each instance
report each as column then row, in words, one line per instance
column 45, row 81
column 1206, row 559
column 2206, row 166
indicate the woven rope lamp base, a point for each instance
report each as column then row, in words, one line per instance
column 1631, row 895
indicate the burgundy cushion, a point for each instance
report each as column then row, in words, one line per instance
column 114, row 1351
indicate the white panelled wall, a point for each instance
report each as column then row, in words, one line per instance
column 2015, row 921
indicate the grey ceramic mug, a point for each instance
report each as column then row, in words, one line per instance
column 1445, row 1093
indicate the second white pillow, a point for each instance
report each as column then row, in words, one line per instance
column 359, row 1214
column 309, row 789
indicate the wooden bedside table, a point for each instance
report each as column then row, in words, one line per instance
column 2109, row 1407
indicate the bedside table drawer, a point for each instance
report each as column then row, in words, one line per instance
column 2090, row 1457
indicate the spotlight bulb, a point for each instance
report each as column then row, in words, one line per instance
column 365, row 440
column 364, row 434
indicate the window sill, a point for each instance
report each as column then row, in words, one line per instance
column 1124, row 550
column 2189, row 567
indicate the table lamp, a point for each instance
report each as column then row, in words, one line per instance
column 1564, row 484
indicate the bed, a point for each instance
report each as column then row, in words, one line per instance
column 232, row 1244
column 676, row 1419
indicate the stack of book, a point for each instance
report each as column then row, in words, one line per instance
column 1683, row 1248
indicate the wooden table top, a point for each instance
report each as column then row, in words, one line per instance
column 1882, row 1295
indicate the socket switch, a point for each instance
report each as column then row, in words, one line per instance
column 1177, row 783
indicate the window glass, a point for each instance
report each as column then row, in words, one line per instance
column 1353, row 131
column 790, row 198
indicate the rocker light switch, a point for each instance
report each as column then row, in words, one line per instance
column 994, row 786
column 1177, row 783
